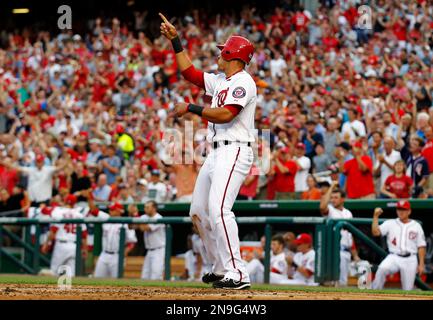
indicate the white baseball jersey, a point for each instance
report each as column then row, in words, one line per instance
column 346, row 236
column 239, row 89
column 156, row 237
column 403, row 238
column 111, row 236
column 279, row 264
column 67, row 231
column 305, row 260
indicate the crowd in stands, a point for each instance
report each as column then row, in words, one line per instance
column 343, row 103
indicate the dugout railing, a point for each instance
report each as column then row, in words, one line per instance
column 326, row 241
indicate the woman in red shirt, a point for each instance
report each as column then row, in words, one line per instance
column 398, row 185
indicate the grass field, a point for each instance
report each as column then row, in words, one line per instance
column 173, row 288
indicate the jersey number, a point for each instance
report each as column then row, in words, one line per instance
column 394, row 242
column 70, row 228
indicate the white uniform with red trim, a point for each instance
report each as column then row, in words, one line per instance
column 305, row 260
column 154, row 241
column 224, row 171
column 403, row 241
column 65, row 238
column 346, row 242
column 108, row 262
column 279, row 272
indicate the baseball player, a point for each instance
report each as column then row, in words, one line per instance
column 303, row 261
column 108, row 262
column 203, row 263
column 336, row 210
column 230, row 133
column 405, row 239
column 64, row 236
column 154, row 242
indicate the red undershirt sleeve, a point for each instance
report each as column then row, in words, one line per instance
column 194, row 76
column 234, row 108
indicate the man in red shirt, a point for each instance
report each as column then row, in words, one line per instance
column 8, row 177
column 284, row 170
column 359, row 173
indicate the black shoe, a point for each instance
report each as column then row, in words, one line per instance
column 227, row 283
column 211, row 277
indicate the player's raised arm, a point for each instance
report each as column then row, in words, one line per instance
column 324, row 201
column 184, row 63
column 375, row 230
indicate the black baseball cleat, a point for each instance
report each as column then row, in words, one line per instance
column 227, row 283
column 211, row 277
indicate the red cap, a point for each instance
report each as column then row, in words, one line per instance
column 403, row 204
column 300, row 145
column 303, row 238
column 357, row 144
column 285, row 150
column 120, row 128
column 71, row 199
column 116, row 206
column 40, row 158
column 84, row 134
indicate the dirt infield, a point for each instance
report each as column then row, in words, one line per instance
column 86, row 292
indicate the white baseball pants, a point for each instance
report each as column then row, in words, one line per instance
column 153, row 266
column 215, row 191
column 256, row 271
column 345, row 258
column 63, row 255
column 107, row 265
column 394, row 263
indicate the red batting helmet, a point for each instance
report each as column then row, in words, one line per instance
column 237, row 47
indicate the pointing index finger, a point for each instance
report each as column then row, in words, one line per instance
column 163, row 17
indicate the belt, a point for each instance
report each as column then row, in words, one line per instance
column 110, row 252
column 406, row 255
column 65, row 241
column 226, row 143
column 154, row 249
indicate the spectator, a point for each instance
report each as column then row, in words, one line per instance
column 283, row 172
column 110, row 165
column 386, row 160
column 332, row 138
column 248, row 189
column 417, row 166
column 304, row 165
column 311, row 138
column 80, row 183
column 156, row 190
column 359, row 173
column 40, row 180
column 353, row 129
column 398, row 185
column 185, row 176
column 125, row 142
column 94, row 155
column 391, row 129
column 321, row 160
column 103, row 190
column 427, row 153
column 313, row 193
